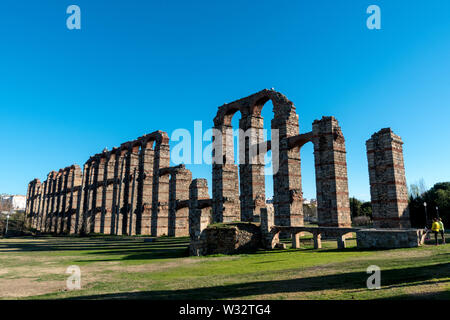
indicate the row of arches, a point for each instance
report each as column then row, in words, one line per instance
column 129, row 190
column 133, row 190
column 239, row 192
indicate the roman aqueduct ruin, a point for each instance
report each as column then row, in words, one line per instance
column 133, row 190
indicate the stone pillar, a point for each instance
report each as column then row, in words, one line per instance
column 388, row 188
column 41, row 206
column 251, row 168
column 160, row 202
column 116, row 154
column 52, row 197
column 100, row 191
column 37, row 205
column 32, row 201
column 226, row 204
column 269, row 238
column 68, row 201
column 287, row 195
column 145, row 190
column 56, row 224
column 92, row 205
column 180, row 180
column 200, row 213
column 82, row 212
column 121, row 164
column 28, row 203
column 333, row 206
column 56, row 208
column 75, row 199
column 160, row 216
column 133, row 185
column 126, row 189
column 44, row 207
column 64, row 199
column 90, row 199
column 109, row 193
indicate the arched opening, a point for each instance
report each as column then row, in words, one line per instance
column 252, row 177
column 267, row 115
column 308, row 184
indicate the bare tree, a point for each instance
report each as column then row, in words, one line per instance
column 417, row 189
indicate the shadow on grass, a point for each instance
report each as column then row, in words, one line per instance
column 125, row 248
column 393, row 278
column 142, row 254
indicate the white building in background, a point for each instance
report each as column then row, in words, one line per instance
column 17, row 202
column 310, row 201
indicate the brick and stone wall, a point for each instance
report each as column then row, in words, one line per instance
column 228, row 203
column 333, row 206
column 133, row 190
column 200, row 208
column 389, row 238
column 388, row 190
column 123, row 191
column 33, row 201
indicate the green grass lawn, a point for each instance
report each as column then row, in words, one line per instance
column 128, row 267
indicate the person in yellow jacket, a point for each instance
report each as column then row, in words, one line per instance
column 435, row 228
column 441, row 230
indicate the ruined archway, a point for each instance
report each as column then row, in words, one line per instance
column 330, row 171
column 227, row 205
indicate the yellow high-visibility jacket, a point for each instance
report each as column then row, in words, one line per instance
column 435, row 226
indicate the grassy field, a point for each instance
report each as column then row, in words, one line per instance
column 126, row 267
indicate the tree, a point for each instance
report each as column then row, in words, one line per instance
column 417, row 189
column 355, row 207
column 437, row 196
column 310, row 212
column 366, row 209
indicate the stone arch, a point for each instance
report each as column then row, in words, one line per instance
column 173, row 219
column 330, row 171
column 287, row 191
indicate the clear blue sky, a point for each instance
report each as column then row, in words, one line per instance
column 139, row 66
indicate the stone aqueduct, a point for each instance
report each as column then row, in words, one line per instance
column 132, row 189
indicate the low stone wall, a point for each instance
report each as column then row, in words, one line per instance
column 227, row 239
column 389, row 238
